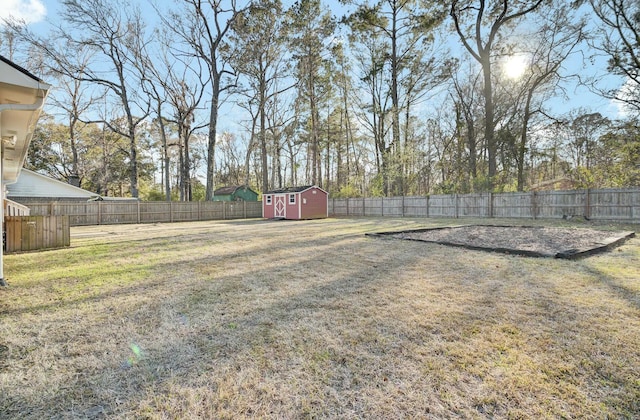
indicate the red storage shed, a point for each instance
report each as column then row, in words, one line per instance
column 296, row 203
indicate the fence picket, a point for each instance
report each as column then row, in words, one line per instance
column 118, row 212
column 622, row 205
column 28, row 233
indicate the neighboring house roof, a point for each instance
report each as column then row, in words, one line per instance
column 22, row 71
column 22, row 96
column 229, row 190
column 33, row 184
column 292, row 189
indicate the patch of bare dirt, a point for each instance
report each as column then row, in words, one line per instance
column 524, row 240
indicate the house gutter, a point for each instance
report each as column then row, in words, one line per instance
column 23, row 107
column 38, row 104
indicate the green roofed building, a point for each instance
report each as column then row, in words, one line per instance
column 235, row 193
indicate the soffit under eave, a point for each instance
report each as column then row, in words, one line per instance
column 16, row 129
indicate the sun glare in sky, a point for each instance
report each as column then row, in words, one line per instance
column 515, row 66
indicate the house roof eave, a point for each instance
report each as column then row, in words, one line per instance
column 22, row 97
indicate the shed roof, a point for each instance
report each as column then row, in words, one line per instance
column 230, row 189
column 291, row 189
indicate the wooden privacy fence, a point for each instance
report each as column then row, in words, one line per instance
column 620, row 205
column 122, row 212
column 29, row 233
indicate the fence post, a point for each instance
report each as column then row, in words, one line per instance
column 138, row 211
column 348, row 207
column 403, row 205
column 171, row 211
column 455, row 198
column 224, row 210
column 534, row 205
column 490, row 204
column 587, row 204
column 427, row 205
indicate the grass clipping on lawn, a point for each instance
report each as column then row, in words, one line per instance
column 313, row 319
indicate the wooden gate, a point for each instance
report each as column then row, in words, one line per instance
column 30, row 233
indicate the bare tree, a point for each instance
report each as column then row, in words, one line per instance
column 177, row 85
column 405, row 29
column 554, row 42
column 115, row 32
column 260, row 58
column 464, row 95
column 619, row 39
column 479, row 38
column 72, row 98
column 311, row 26
column 8, row 38
column 75, row 99
column 110, row 32
column 372, row 108
column 346, row 163
column 203, row 26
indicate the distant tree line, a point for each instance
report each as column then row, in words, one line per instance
column 383, row 98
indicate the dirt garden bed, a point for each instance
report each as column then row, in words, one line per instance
column 530, row 241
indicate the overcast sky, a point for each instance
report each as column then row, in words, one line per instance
column 30, row 11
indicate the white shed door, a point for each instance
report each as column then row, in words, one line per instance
column 280, row 206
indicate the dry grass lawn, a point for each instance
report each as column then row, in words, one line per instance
column 305, row 319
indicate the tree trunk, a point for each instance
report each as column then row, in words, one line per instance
column 165, row 157
column 314, row 133
column 211, row 149
column 186, row 169
column 133, row 160
column 74, row 177
column 522, row 147
column 395, row 109
column 489, row 125
column 263, row 139
column 327, row 162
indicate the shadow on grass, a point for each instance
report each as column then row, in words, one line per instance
column 229, row 337
column 207, row 330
